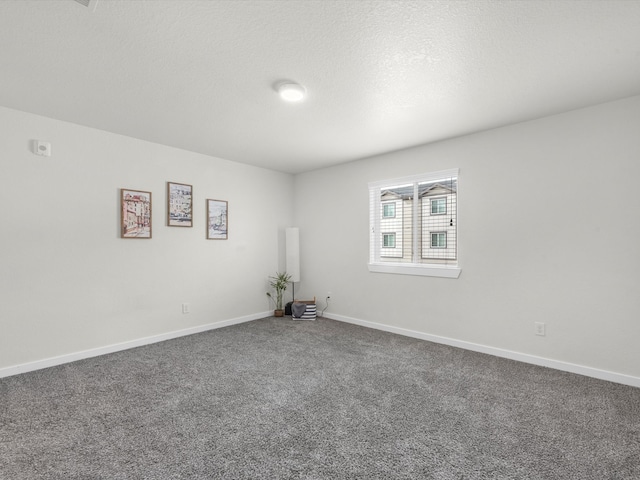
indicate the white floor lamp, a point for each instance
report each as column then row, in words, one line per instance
column 293, row 256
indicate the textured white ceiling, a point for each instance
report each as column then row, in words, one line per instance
column 381, row 75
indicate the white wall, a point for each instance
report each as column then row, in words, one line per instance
column 549, row 229
column 68, row 283
column 541, row 239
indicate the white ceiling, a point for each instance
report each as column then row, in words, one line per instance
column 381, row 75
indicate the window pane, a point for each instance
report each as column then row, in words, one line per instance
column 439, row 240
column 438, row 206
column 413, row 220
column 438, row 223
column 389, row 240
column 389, row 210
column 396, row 211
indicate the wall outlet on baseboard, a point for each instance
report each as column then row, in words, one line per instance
column 186, row 308
column 540, row 328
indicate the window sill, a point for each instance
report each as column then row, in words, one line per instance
column 443, row 271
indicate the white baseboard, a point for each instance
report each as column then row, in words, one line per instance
column 498, row 352
column 95, row 352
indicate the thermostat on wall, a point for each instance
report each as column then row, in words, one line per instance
column 42, row 148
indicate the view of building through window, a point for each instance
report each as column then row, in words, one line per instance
column 415, row 222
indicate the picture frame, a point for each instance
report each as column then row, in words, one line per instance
column 217, row 219
column 135, row 213
column 179, row 205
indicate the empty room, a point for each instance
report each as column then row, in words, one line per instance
column 320, row 239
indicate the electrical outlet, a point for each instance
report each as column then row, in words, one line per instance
column 185, row 308
column 540, row 328
column 328, row 294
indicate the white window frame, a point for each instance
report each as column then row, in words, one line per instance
column 449, row 270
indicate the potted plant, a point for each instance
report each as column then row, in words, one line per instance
column 279, row 284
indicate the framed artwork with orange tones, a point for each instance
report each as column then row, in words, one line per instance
column 135, row 209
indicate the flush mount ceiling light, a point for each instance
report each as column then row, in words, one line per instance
column 291, row 92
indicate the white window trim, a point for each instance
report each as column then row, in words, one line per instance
column 425, row 270
column 444, row 271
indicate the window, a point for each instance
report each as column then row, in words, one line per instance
column 438, row 206
column 389, row 240
column 439, row 240
column 389, row 210
column 414, row 225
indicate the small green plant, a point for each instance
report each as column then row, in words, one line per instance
column 279, row 284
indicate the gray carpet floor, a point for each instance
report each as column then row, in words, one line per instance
column 285, row 399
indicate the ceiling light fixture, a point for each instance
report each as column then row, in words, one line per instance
column 292, row 92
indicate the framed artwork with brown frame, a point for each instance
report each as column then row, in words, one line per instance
column 135, row 213
column 217, row 219
column 179, row 205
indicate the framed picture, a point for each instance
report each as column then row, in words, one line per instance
column 135, row 209
column 217, row 219
column 179, row 205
